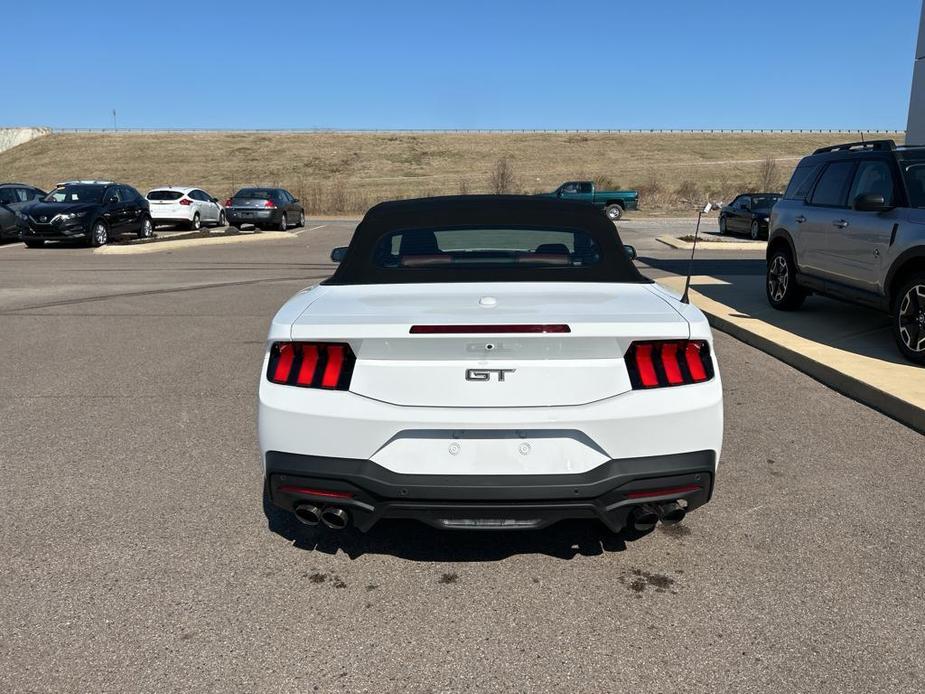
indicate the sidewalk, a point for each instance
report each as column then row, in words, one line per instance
column 849, row 348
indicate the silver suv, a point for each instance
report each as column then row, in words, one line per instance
column 852, row 226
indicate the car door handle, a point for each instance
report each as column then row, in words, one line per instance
column 840, row 223
column 800, row 219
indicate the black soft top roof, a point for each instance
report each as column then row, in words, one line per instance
column 484, row 211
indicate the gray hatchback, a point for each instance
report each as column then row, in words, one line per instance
column 851, row 225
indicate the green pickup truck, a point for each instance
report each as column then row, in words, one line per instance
column 614, row 202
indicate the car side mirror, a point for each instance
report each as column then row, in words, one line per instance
column 338, row 254
column 213, row 199
column 295, row 200
column 871, row 202
column 630, row 251
column 112, row 199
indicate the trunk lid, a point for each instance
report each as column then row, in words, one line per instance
column 489, row 368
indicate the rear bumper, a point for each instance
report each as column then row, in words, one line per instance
column 488, row 502
column 171, row 216
column 253, row 216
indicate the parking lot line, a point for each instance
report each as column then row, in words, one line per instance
column 12, row 245
column 320, row 226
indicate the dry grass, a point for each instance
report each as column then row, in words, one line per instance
column 347, row 172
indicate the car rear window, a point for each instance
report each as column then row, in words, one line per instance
column 165, row 195
column 486, row 248
column 256, row 193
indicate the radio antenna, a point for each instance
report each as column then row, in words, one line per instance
column 690, row 263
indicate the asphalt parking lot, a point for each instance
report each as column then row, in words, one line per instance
column 136, row 553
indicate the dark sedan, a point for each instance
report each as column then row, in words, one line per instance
column 748, row 214
column 266, row 208
column 15, row 198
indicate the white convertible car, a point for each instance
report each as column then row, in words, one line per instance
column 489, row 363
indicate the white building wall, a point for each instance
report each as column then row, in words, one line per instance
column 915, row 128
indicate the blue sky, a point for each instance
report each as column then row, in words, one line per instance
column 655, row 64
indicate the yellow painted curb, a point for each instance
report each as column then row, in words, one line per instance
column 897, row 390
column 675, row 242
column 182, row 244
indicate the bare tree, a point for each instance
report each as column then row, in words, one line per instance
column 767, row 175
column 463, row 186
column 502, row 178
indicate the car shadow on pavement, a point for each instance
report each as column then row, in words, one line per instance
column 419, row 542
column 846, row 327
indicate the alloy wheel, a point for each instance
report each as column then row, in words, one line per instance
column 196, row 222
column 778, row 278
column 147, row 230
column 99, row 235
column 756, row 231
column 911, row 317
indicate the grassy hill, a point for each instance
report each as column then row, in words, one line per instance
column 347, row 172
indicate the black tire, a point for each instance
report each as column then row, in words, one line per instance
column 283, row 223
column 908, row 318
column 755, row 231
column 780, row 284
column 98, row 236
column 195, row 224
column 301, row 222
column 34, row 243
column 613, row 212
column 722, row 225
column 146, row 230
column 222, row 220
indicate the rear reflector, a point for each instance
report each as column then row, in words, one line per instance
column 661, row 363
column 311, row 365
column 664, row 491
column 487, row 329
column 306, row 491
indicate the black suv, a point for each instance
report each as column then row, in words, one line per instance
column 91, row 211
column 852, row 226
column 14, row 199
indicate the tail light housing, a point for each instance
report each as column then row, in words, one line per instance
column 665, row 363
column 327, row 365
column 186, row 201
column 269, row 203
column 228, row 202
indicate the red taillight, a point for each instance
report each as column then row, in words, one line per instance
column 486, row 329
column 186, row 201
column 664, row 491
column 269, row 203
column 311, row 365
column 662, row 363
column 228, row 202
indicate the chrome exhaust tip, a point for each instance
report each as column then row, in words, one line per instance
column 672, row 513
column 644, row 518
column 335, row 518
column 307, row 513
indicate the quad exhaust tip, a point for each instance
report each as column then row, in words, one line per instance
column 308, row 513
column 335, row 518
column 671, row 513
column 644, row 518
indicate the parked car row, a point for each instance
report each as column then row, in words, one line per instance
column 96, row 212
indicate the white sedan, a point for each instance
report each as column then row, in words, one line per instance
column 489, row 363
column 190, row 207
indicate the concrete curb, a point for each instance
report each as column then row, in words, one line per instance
column 675, row 242
column 903, row 411
column 183, row 244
